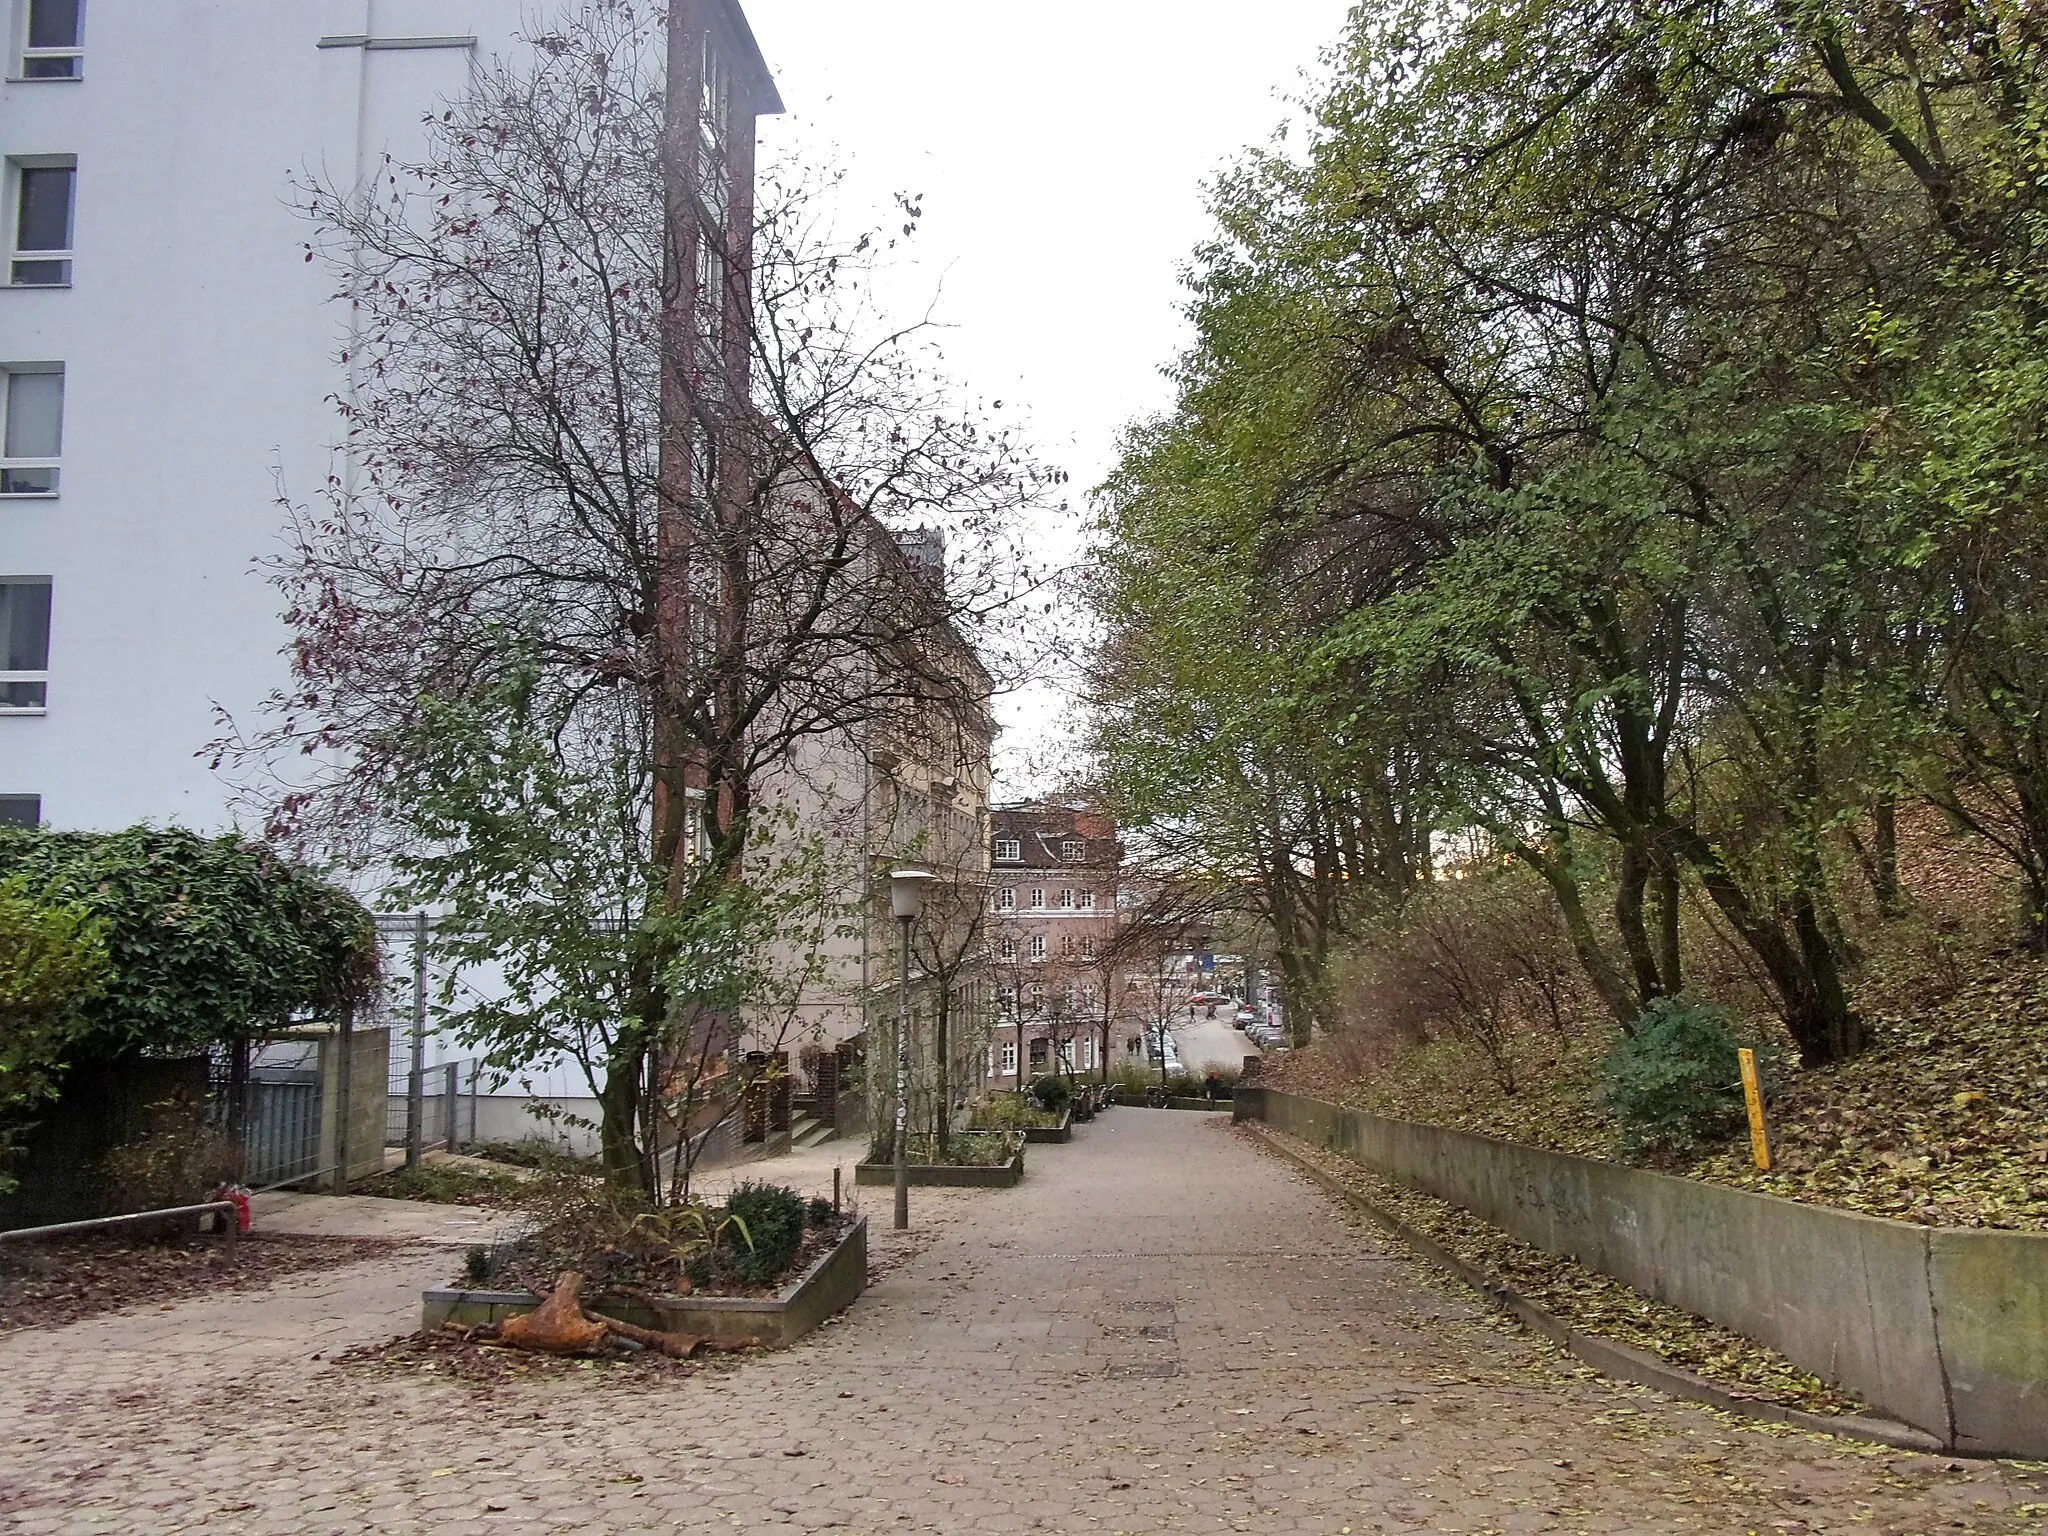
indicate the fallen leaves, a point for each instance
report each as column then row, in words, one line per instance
column 45, row 1285
column 1943, row 1120
column 1590, row 1302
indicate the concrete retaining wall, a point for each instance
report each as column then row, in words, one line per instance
column 1946, row 1329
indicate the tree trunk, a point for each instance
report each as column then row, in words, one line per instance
column 1670, row 962
column 1615, row 993
column 941, row 1021
column 1633, row 880
column 1884, row 874
column 1806, row 976
column 619, row 1104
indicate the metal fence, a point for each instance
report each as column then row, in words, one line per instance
column 443, row 1110
column 426, row 1107
column 266, row 1100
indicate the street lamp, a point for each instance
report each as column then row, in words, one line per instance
column 906, row 901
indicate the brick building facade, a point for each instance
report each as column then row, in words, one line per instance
column 1053, row 876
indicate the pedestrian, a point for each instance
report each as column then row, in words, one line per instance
column 1212, row 1086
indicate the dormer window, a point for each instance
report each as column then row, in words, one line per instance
column 1009, row 849
column 1073, row 850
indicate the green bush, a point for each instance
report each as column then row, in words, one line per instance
column 53, row 964
column 1052, row 1092
column 820, row 1212
column 1013, row 1112
column 774, row 1218
column 209, row 939
column 178, row 1159
column 1674, row 1082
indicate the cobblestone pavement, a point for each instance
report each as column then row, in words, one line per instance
column 1162, row 1329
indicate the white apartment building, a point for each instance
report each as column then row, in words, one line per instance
column 170, row 360
column 168, row 357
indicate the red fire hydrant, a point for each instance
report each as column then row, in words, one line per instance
column 238, row 1195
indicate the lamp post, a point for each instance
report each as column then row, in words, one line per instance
column 906, row 901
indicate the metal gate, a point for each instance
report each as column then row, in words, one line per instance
column 281, row 1126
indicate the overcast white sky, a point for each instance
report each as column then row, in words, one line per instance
column 1061, row 149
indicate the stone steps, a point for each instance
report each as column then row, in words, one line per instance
column 806, row 1132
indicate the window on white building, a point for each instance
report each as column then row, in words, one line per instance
column 1088, row 1054
column 31, row 429
column 1038, row 898
column 51, row 34
column 1085, row 900
column 21, row 810
column 1087, row 949
column 24, row 642
column 1006, row 900
column 1037, row 997
column 1067, row 946
column 1036, row 948
column 42, row 224
column 1067, row 900
column 1073, row 851
column 1006, row 949
column 1009, row 1068
column 1009, row 848
column 1006, row 999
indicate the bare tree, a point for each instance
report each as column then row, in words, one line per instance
column 950, row 945
column 624, row 462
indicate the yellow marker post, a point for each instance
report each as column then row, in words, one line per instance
column 1759, row 1138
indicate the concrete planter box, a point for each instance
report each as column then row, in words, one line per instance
column 1137, row 1101
column 831, row 1283
column 946, row 1175
column 1048, row 1135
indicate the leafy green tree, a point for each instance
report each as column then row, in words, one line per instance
column 206, row 939
column 53, row 966
column 529, row 844
column 1631, row 409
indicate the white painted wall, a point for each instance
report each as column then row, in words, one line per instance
column 199, row 349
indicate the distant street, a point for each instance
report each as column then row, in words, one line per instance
column 1202, row 1040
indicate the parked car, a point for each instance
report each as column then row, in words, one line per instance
column 1246, row 1016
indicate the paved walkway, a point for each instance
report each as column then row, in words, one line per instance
column 454, row 1226
column 1162, row 1329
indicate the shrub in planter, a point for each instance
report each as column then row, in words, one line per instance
column 820, row 1212
column 1012, row 1112
column 1051, row 1092
column 178, row 1159
column 1674, row 1081
column 774, row 1219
